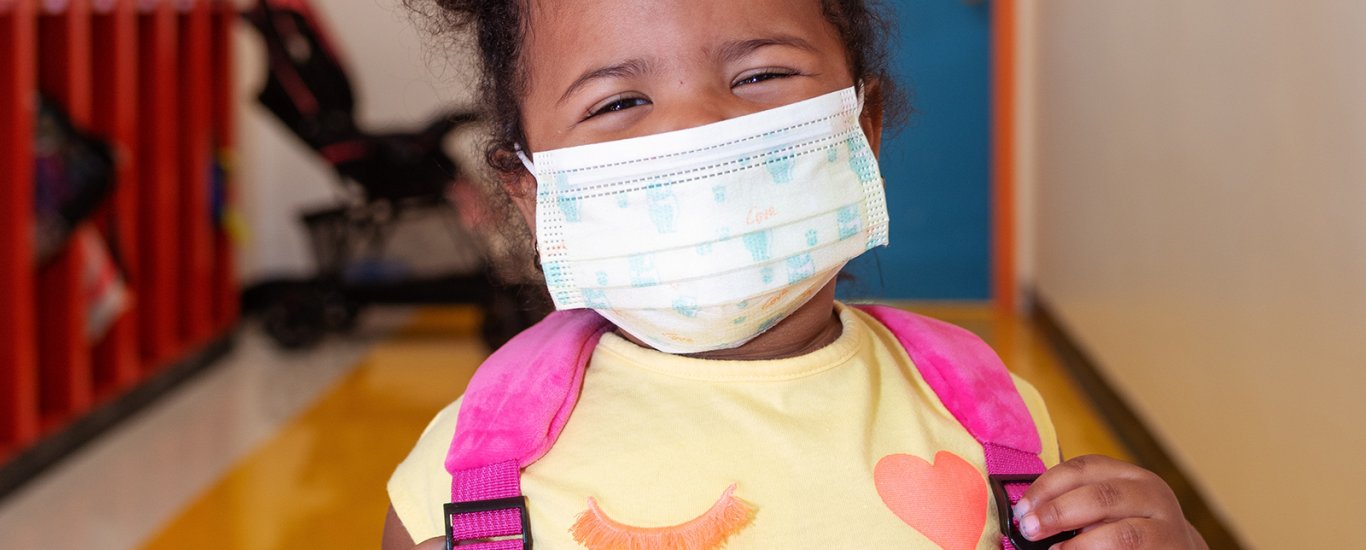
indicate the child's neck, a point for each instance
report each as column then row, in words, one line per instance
column 813, row 326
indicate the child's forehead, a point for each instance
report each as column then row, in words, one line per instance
column 638, row 26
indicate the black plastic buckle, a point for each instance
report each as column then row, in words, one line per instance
column 1010, row 527
column 461, row 508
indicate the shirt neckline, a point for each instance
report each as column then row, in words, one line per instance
column 835, row 354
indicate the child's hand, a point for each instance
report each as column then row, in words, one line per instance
column 1114, row 504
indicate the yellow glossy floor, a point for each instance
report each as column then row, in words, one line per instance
column 315, row 477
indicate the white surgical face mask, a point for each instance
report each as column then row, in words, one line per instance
column 702, row 239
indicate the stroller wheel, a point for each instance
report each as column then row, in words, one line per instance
column 340, row 313
column 296, row 319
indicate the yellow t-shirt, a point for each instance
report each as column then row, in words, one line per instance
column 832, row 449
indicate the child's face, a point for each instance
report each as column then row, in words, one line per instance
column 603, row 70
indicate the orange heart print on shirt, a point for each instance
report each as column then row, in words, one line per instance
column 945, row 501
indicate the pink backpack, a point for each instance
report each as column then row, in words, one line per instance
column 521, row 398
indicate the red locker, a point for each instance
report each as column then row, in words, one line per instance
column 196, row 242
column 159, row 171
column 154, row 78
column 225, row 303
column 18, row 353
column 64, row 373
column 114, row 54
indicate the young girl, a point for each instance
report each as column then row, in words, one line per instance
column 697, row 172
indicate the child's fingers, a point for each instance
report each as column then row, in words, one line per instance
column 1074, row 473
column 1101, row 502
column 1129, row 534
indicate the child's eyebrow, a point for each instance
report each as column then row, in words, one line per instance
column 738, row 49
column 624, row 69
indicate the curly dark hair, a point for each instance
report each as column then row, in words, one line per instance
column 498, row 28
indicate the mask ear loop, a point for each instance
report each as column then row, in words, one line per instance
column 526, row 161
column 862, row 88
column 536, row 245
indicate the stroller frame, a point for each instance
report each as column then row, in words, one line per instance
column 389, row 175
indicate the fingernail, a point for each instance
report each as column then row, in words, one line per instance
column 1022, row 507
column 1030, row 527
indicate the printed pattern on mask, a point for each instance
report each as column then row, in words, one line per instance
column 667, row 234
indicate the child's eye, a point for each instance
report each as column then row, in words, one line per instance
column 761, row 76
column 616, row 104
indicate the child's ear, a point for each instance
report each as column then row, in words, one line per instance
column 871, row 119
column 521, row 188
column 519, row 185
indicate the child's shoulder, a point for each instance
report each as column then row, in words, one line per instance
column 421, row 479
column 886, row 338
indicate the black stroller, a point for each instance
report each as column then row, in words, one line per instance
column 403, row 191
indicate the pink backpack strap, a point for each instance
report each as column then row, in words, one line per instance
column 513, row 410
column 969, row 378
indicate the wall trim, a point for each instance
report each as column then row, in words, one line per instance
column 1002, row 170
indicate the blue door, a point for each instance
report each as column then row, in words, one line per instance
column 936, row 166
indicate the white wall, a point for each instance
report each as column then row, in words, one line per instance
column 400, row 80
column 1201, row 229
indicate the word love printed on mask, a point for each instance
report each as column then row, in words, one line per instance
column 702, row 239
